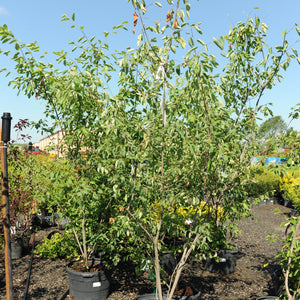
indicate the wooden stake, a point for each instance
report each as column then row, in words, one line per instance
column 6, row 223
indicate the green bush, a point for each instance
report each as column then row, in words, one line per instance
column 58, row 245
column 290, row 187
column 264, row 183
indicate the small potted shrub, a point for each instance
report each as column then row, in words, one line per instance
column 21, row 200
column 73, row 197
column 290, row 189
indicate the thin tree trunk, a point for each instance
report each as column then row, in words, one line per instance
column 159, row 291
column 84, row 240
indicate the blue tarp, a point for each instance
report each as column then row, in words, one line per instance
column 274, row 160
column 254, row 161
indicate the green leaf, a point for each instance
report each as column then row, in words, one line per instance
column 64, row 18
column 257, row 21
column 197, row 28
column 298, row 30
column 173, row 49
column 158, row 4
column 139, row 39
column 218, row 43
column 202, row 43
column 295, row 51
column 264, row 27
column 191, row 42
column 181, row 41
column 180, row 14
column 187, row 6
column 187, row 56
column 73, row 17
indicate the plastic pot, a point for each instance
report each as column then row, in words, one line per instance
column 153, row 297
column 295, row 212
column 88, row 285
column 16, row 248
column 225, row 265
column 287, row 203
column 268, row 297
column 270, row 201
column 168, row 262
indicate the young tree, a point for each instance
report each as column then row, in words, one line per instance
column 172, row 146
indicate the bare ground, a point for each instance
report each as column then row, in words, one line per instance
column 251, row 279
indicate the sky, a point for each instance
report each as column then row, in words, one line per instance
column 40, row 21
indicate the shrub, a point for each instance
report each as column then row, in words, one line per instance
column 58, row 245
column 264, row 183
column 290, row 188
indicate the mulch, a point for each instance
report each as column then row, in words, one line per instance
column 252, row 277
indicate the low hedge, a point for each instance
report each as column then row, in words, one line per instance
column 274, row 181
column 264, row 183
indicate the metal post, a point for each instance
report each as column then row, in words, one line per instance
column 5, row 137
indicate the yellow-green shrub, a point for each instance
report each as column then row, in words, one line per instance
column 189, row 211
column 290, row 187
column 59, row 245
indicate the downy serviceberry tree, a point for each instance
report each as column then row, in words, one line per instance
column 166, row 155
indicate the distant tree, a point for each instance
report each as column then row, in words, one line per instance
column 272, row 126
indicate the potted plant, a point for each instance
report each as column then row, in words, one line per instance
column 50, row 182
column 74, row 197
column 290, row 189
column 20, row 234
column 21, row 201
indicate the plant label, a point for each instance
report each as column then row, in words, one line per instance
column 96, row 284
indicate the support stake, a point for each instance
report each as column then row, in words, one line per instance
column 5, row 137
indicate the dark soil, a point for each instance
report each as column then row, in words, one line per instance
column 92, row 267
column 250, row 280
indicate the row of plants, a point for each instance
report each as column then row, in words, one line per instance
column 281, row 182
column 171, row 145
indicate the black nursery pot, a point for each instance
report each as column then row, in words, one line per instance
column 148, row 297
column 153, row 297
column 225, row 265
column 268, row 297
column 88, row 285
column 16, row 248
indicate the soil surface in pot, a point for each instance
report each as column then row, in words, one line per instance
column 80, row 267
column 251, row 279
